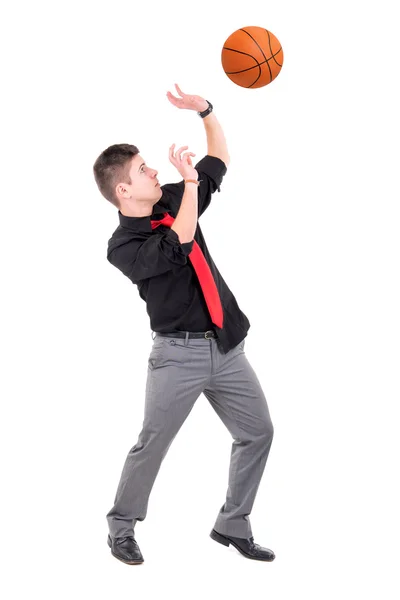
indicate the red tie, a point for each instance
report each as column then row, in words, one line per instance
column 203, row 273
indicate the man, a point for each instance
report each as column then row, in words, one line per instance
column 200, row 330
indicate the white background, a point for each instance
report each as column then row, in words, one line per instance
column 306, row 233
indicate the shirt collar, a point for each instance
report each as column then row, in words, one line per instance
column 142, row 223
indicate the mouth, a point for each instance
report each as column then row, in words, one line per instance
column 157, row 184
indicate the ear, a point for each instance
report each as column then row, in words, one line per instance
column 122, row 190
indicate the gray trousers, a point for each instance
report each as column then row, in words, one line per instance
column 179, row 370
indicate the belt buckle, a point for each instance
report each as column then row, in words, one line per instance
column 209, row 331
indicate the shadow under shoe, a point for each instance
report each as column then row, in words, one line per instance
column 125, row 549
column 247, row 547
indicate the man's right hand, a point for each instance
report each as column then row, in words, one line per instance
column 183, row 162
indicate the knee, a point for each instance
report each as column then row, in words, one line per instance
column 267, row 431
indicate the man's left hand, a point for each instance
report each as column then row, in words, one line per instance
column 187, row 101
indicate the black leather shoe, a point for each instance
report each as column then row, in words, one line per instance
column 125, row 549
column 247, row 547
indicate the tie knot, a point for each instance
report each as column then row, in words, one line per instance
column 166, row 220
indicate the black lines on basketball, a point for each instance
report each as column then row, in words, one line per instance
column 240, row 52
column 251, row 56
column 257, row 44
column 270, row 47
column 262, row 52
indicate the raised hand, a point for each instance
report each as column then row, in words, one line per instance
column 183, row 163
column 188, row 101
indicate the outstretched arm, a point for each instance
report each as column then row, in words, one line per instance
column 216, row 143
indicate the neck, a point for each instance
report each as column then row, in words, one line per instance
column 137, row 211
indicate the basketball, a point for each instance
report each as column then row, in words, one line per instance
column 252, row 57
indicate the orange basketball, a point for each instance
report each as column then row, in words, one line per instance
column 252, row 57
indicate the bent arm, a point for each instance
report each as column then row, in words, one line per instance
column 138, row 259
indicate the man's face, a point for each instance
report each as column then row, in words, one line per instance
column 144, row 187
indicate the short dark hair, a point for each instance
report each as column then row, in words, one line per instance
column 112, row 167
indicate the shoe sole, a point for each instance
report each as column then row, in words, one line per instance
column 127, row 562
column 221, row 539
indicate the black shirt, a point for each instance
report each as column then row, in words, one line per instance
column 156, row 261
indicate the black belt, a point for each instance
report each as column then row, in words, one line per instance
column 192, row 334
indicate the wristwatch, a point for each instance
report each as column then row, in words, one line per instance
column 206, row 111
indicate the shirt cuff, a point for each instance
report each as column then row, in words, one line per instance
column 214, row 167
column 186, row 247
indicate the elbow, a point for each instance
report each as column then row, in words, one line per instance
column 225, row 159
column 181, row 235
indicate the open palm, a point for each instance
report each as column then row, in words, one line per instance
column 188, row 101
